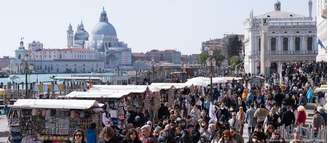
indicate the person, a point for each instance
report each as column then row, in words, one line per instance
column 235, row 136
column 146, row 133
column 272, row 119
column 106, row 119
column 309, row 94
column 78, row 136
column 107, row 135
column 297, row 138
column 91, row 133
column 276, row 138
column 288, row 117
column 241, row 117
column 132, row 137
column 301, row 115
column 163, row 112
column 234, row 122
column 250, row 119
column 226, row 138
column 260, row 114
column 318, row 121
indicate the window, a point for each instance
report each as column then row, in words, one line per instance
column 259, row 44
column 309, row 43
column 273, row 44
column 297, row 44
column 285, row 44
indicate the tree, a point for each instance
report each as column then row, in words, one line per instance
column 218, row 57
column 234, row 61
column 202, row 58
column 234, row 46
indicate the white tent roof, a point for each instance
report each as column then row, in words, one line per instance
column 98, row 94
column 198, row 81
column 113, row 88
column 159, row 86
column 56, row 104
column 204, row 81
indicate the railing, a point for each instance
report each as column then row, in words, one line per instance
column 306, row 133
column 313, row 52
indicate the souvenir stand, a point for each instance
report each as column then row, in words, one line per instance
column 112, row 100
column 52, row 120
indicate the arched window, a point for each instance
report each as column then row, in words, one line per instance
column 285, row 44
column 297, row 44
column 273, row 44
column 309, row 43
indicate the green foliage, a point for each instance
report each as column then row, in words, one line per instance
column 234, row 61
column 203, row 57
column 216, row 55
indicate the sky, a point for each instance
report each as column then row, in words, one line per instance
column 142, row 24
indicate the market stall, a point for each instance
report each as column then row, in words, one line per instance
column 52, row 120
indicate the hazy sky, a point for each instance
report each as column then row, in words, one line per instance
column 142, row 24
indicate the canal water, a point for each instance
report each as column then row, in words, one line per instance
column 18, row 78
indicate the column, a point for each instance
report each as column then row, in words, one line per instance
column 303, row 44
column 280, row 71
column 291, row 47
column 279, row 45
column 314, row 44
column 264, row 39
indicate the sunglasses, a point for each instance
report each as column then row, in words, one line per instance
column 78, row 135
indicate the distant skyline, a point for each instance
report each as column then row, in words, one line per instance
column 142, row 24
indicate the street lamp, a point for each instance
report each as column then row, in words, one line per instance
column 211, row 62
column 153, row 68
column 27, row 68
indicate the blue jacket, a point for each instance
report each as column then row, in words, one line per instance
column 309, row 94
column 91, row 136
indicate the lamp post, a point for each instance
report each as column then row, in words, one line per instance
column 27, row 68
column 210, row 63
column 153, row 69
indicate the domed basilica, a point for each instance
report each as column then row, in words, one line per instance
column 104, row 40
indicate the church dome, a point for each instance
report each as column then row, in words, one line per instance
column 104, row 28
column 81, row 33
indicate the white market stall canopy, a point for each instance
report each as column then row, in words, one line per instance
column 119, row 91
column 98, row 94
column 160, row 86
column 204, row 81
column 114, row 88
column 56, row 104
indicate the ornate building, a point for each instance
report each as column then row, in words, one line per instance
column 322, row 29
column 78, row 39
column 278, row 37
column 67, row 60
column 104, row 40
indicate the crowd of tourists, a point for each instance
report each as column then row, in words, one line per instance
column 238, row 112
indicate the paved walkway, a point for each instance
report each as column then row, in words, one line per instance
column 309, row 119
column 4, row 129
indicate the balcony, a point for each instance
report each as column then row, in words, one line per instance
column 313, row 52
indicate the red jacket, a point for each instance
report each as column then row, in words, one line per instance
column 301, row 117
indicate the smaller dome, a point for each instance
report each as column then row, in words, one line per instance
column 81, row 35
column 104, row 28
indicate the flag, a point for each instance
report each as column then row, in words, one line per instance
column 321, row 44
